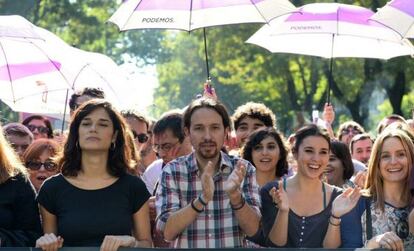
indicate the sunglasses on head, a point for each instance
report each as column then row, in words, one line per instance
column 41, row 129
column 142, row 137
column 36, row 165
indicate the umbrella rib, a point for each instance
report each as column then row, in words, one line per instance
column 123, row 26
column 54, row 64
column 266, row 21
column 8, row 71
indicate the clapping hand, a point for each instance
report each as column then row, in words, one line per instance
column 235, row 179
column 346, row 201
column 280, row 197
column 207, row 182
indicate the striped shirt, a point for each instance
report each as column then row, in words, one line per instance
column 217, row 226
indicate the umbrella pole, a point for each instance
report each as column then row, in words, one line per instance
column 64, row 110
column 330, row 80
column 206, row 54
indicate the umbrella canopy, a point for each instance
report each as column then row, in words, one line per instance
column 38, row 72
column 331, row 30
column 399, row 16
column 194, row 14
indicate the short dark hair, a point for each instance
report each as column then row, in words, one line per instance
column 256, row 137
column 26, row 122
column 254, row 110
column 172, row 121
column 206, row 103
column 39, row 146
column 136, row 115
column 358, row 137
column 341, row 151
column 17, row 129
column 119, row 158
column 87, row 91
column 307, row 131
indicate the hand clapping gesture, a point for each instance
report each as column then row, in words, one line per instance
column 280, row 197
column 207, row 182
column 235, row 179
column 346, row 201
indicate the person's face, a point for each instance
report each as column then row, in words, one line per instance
column 362, row 150
column 246, row 127
column 38, row 128
column 207, row 133
column 335, row 170
column 265, row 155
column 96, row 131
column 167, row 146
column 312, row 156
column 40, row 169
column 140, row 131
column 19, row 143
column 348, row 133
column 393, row 161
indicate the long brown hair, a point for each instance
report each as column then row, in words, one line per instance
column 119, row 157
column 10, row 164
column 374, row 185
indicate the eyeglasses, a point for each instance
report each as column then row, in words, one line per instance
column 401, row 228
column 36, row 165
column 142, row 137
column 166, row 147
column 41, row 129
column 348, row 131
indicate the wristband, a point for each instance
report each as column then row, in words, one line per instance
column 336, row 225
column 335, row 217
column 195, row 208
column 200, row 199
column 240, row 206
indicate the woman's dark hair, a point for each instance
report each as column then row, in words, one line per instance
column 307, row 131
column 119, row 157
column 27, row 120
column 256, row 137
column 341, row 151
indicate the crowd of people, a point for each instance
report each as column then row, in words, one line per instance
column 200, row 178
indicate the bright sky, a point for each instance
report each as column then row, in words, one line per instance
column 143, row 81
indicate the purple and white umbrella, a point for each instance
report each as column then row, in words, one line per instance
column 194, row 14
column 331, row 30
column 38, row 69
column 399, row 16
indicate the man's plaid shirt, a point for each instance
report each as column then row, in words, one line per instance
column 216, row 226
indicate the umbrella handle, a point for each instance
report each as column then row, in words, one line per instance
column 206, row 54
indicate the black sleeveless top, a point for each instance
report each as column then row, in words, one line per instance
column 303, row 232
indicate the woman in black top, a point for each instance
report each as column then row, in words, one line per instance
column 19, row 214
column 95, row 201
column 303, row 211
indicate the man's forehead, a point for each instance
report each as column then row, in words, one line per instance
column 164, row 137
column 82, row 99
column 206, row 116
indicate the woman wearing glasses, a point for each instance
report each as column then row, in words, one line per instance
column 95, row 201
column 38, row 159
column 19, row 214
column 39, row 126
column 380, row 218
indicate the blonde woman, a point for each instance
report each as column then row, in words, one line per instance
column 19, row 214
column 380, row 218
